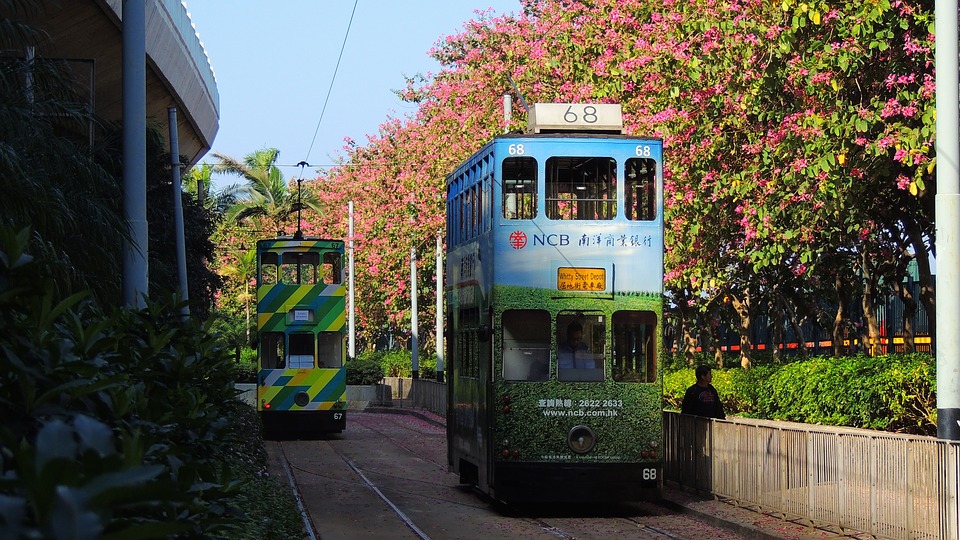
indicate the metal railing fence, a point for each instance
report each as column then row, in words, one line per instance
column 886, row 484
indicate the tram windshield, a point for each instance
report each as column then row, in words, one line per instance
column 581, row 340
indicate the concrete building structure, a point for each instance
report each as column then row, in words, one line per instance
column 88, row 34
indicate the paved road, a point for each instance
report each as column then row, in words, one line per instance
column 386, row 477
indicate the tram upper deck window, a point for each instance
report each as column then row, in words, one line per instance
column 641, row 189
column 331, row 272
column 526, row 345
column 519, row 178
column 299, row 268
column 581, row 188
column 634, row 346
column 269, row 266
column 581, row 340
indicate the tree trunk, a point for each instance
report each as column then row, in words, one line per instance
column 909, row 312
column 838, row 320
column 743, row 312
column 776, row 335
column 868, row 302
column 797, row 327
column 689, row 344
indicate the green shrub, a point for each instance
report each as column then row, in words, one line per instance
column 119, row 424
column 891, row 392
column 364, row 369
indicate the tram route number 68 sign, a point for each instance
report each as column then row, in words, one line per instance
column 578, row 116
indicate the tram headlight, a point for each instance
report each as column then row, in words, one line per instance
column 581, row 439
column 301, row 399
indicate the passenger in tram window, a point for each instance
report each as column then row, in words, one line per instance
column 574, row 353
column 702, row 398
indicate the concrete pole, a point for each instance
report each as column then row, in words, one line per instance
column 135, row 270
column 414, row 332
column 178, row 208
column 439, row 309
column 351, row 322
column 507, row 112
column 948, row 222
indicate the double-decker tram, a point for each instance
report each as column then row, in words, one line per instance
column 554, row 288
column 301, row 317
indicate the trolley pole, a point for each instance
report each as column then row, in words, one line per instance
column 439, row 309
column 414, row 338
column 947, row 222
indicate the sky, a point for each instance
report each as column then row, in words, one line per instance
column 275, row 62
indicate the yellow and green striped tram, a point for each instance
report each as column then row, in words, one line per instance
column 301, row 314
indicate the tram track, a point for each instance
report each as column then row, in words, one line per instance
column 379, row 480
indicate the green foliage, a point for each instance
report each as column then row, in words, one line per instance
column 121, row 424
column 397, row 363
column 246, row 371
column 889, row 393
column 364, row 369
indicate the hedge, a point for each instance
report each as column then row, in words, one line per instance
column 890, row 393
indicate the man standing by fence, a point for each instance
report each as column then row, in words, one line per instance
column 702, row 398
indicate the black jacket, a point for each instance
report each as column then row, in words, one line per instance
column 702, row 401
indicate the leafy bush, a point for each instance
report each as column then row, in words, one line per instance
column 364, row 369
column 245, row 372
column 399, row 363
column 117, row 424
column 890, row 393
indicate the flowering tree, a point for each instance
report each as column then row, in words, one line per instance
column 801, row 131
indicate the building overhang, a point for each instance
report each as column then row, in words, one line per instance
column 178, row 71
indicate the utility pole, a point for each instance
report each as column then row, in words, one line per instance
column 948, row 222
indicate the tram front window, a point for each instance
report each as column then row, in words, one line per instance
column 299, row 268
column 330, row 349
column 581, row 340
column 271, row 351
column 634, row 346
column 581, row 188
column 301, row 351
column 526, row 345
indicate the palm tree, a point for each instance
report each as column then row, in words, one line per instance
column 243, row 270
column 265, row 194
column 198, row 182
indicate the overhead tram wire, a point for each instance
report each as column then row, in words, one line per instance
column 343, row 46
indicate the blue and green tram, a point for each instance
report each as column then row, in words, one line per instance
column 554, row 291
column 301, row 314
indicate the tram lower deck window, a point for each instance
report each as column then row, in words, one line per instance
column 581, row 340
column 526, row 344
column 301, row 351
column 634, row 346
